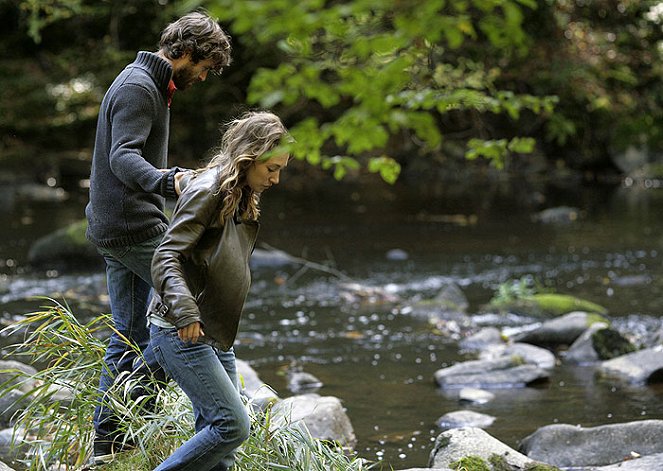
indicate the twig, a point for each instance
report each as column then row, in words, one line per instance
column 309, row 264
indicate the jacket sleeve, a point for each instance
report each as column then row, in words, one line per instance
column 193, row 213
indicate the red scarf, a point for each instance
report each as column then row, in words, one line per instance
column 171, row 92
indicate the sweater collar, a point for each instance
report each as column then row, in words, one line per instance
column 159, row 68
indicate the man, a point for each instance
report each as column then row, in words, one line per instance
column 128, row 186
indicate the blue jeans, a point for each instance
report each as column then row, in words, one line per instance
column 208, row 376
column 130, row 288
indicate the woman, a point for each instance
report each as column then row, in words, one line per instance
column 201, row 276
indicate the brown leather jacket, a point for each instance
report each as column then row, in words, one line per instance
column 201, row 269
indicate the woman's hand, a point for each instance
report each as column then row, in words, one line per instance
column 191, row 333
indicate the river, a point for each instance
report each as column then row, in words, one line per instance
column 374, row 356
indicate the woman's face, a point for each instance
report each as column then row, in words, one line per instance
column 263, row 174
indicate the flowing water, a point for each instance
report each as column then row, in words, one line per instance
column 375, row 356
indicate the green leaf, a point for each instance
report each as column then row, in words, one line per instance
column 387, row 167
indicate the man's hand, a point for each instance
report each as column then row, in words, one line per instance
column 191, row 333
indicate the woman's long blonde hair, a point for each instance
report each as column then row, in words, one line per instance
column 246, row 139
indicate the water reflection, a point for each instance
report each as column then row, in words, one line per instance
column 378, row 357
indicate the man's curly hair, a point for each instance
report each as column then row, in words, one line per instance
column 199, row 35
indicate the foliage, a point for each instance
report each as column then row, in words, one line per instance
column 495, row 463
column 364, row 85
column 367, row 78
column 604, row 61
column 512, row 290
column 57, row 427
column 470, row 463
column 529, row 296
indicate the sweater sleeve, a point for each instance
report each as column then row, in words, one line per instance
column 132, row 115
column 194, row 211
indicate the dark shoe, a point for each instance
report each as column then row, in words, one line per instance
column 106, row 448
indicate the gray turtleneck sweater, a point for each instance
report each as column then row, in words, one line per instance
column 127, row 191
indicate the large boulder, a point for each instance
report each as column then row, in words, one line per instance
column 324, row 417
column 66, row 247
column 632, row 463
column 530, row 354
column 544, row 305
column 561, row 331
column 253, row 388
column 14, row 372
column 598, row 342
column 644, row 366
column 483, row 339
column 455, row 444
column 567, row 445
column 503, row 372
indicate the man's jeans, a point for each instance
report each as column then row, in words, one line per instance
column 129, row 288
column 208, row 376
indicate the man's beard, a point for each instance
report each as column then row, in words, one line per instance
column 183, row 78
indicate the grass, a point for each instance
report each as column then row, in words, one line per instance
column 57, row 428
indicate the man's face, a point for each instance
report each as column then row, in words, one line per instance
column 186, row 73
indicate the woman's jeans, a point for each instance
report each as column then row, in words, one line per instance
column 129, row 288
column 208, row 376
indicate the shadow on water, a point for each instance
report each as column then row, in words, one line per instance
column 378, row 360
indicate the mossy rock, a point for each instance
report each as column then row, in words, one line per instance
column 470, row 463
column 609, row 343
column 548, row 304
column 65, row 247
column 542, row 467
column 495, row 463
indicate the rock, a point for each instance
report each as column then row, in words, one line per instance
column 363, row 294
column 563, row 330
column 557, row 215
column 529, row 354
column 4, row 467
column 13, row 372
column 11, row 450
column 545, row 305
column 476, row 396
column 464, row 418
column 66, row 247
column 302, row 382
column 610, row 343
column 643, row 463
column 253, row 387
column 452, row 445
column 482, row 339
column 449, row 304
column 598, row 342
column 12, row 402
column 261, row 258
column 35, row 192
column 566, row 445
column 505, row 372
column 641, row 367
column 397, row 255
column 323, row 416
column 451, row 298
